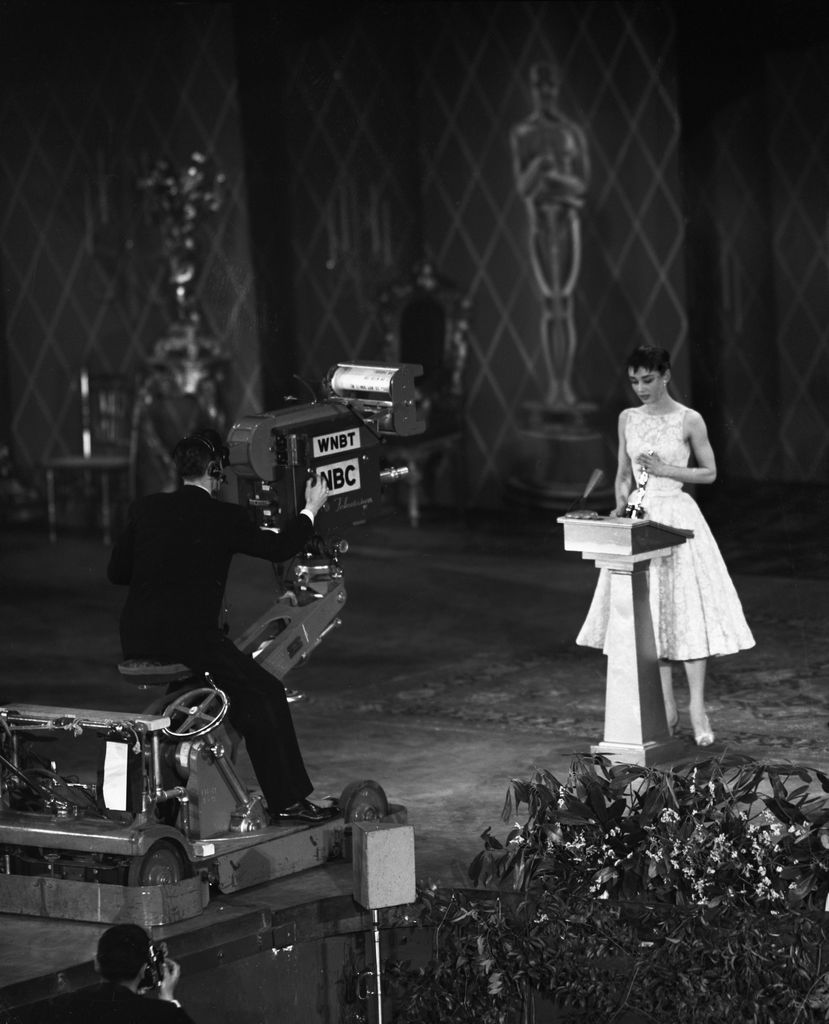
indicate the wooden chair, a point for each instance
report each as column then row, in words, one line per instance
column 425, row 321
column 108, row 446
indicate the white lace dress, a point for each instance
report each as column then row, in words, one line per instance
column 695, row 609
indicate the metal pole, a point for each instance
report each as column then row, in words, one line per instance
column 375, row 927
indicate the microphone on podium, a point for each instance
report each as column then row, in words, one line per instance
column 593, row 482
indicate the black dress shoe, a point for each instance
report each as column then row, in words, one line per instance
column 305, row 811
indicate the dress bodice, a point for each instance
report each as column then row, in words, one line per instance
column 664, row 435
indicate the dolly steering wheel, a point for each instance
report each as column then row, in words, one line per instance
column 198, row 712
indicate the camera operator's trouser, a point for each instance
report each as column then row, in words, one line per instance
column 259, row 710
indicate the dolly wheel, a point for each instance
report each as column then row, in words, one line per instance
column 162, row 864
column 196, row 712
column 363, row 801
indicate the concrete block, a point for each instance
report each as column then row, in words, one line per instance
column 384, row 864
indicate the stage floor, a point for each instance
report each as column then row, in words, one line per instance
column 454, row 670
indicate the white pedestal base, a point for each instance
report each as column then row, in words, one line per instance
column 648, row 754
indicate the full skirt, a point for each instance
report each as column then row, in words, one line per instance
column 695, row 609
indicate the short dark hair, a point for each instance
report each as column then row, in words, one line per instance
column 649, row 357
column 194, row 453
column 123, row 951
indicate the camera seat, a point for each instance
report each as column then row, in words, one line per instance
column 192, row 711
column 143, row 673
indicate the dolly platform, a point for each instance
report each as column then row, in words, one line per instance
column 166, row 820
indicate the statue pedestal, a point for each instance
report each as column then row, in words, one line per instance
column 635, row 726
column 558, row 450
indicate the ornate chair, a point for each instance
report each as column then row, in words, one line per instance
column 108, row 447
column 425, row 321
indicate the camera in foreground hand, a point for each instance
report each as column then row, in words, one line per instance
column 154, row 974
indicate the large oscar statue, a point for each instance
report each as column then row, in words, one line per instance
column 551, row 166
column 182, row 387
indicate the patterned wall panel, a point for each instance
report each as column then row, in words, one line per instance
column 759, row 302
column 351, row 141
column 392, row 127
column 731, row 290
column 359, row 156
column 799, row 161
column 396, row 128
column 617, row 82
column 92, row 98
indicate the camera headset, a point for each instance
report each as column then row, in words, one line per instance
column 219, row 455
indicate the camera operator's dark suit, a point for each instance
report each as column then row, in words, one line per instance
column 175, row 555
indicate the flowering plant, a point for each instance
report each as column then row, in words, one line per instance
column 721, row 832
column 630, row 893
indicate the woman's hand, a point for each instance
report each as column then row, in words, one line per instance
column 651, row 462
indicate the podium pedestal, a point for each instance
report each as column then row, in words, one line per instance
column 635, row 726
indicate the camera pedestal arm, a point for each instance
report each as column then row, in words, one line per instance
column 293, row 626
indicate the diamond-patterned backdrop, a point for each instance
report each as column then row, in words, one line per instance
column 396, row 133
column 617, row 83
column 731, row 304
column 799, row 160
column 93, row 96
column 366, row 162
column 351, row 135
column 390, row 132
column 759, row 245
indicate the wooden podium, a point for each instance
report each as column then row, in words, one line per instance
column 635, row 726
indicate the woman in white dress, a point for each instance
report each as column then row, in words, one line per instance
column 695, row 609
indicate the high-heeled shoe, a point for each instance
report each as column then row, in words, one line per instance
column 704, row 737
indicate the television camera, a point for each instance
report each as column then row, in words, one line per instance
column 167, row 807
column 270, row 457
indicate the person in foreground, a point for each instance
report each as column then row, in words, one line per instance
column 174, row 555
column 124, row 996
column 696, row 611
